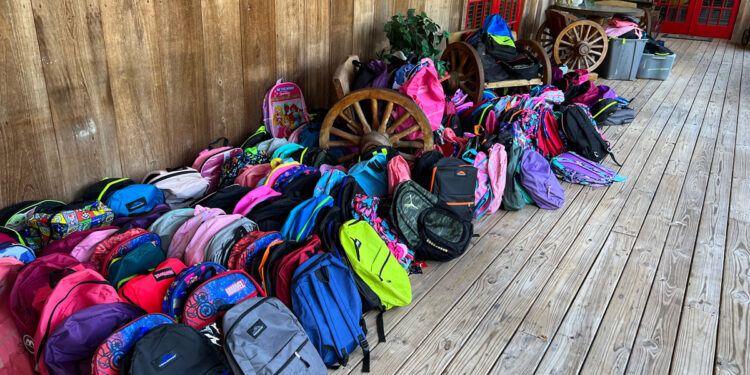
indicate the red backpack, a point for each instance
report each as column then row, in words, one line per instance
column 286, row 267
column 32, row 288
column 548, row 138
column 120, row 243
column 74, row 292
column 148, row 291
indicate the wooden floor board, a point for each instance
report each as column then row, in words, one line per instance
column 647, row 276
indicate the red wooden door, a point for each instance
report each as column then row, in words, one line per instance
column 711, row 18
column 477, row 10
column 714, row 18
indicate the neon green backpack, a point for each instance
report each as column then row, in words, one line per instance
column 374, row 263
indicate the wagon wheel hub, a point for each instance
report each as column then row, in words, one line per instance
column 374, row 139
column 583, row 48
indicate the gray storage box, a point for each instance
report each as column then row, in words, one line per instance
column 655, row 66
column 623, row 58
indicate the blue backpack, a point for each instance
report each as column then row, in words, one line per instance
column 302, row 219
column 14, row 250
column 135, row 199
column 372, row 175
column 326, row 301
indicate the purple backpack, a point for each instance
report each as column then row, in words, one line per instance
column 573, row 168
column 71, row 347
column 539, row 181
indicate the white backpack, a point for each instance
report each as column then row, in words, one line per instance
column 181, row 186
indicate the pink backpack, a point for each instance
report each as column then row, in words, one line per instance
column 74, row 292
column 210, row 161
column 278, row 171
column 398, row 172
column 254, row 197
column 284, row 109
column 83, row 250
column 252, row 175
column 482, row 192
column 195, row 249
column 498, row 163
column 14, row 359
column 32, row 288
column 187, row 230
column 425, row 89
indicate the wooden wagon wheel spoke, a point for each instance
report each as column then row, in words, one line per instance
column 596, row 40
column 565, row 42
column 399, row 121
column 361, row 115
column 581, row 44
column 386, row 115
column 340, row 143
column 374, row 109
column 464, row 66
column 353, row 126
column 596, row 53
column 404, row 133
column 463, row 62
column 348, row 136
column 408, row 157
column 347, row 157
column 409, row 144
column 453, row 60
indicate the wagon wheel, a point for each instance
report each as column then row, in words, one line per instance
column 645, row 21
column 746, row 37
column 465, row 69
column 581, row 45
column 545, row 38
column 347, row 121
column 537, row 51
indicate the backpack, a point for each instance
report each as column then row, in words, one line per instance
column 398, row 172
column 141, row 260
column 328, row 181
column 366, row 208
column 570, row 167
column 261, row 335
column 210, row 161
column 135, row 199
column 118, row 245
column 496, row 169
column 302, row 218
column 32, row 288
column 286, row 151
column 343, row 196
column 174, row 349
column 70, row 241
column 425, row 90
column 424, row 166
column 181, row 186
column 148, row 291
column 195, row 250
column 166, row 225
column 258, row 136
column 14, row 216
column 187, row 230
column 143, row 220
column 218, row 248
column 379, row 269
column 539, row 181
column 70, row 348
column 583, row 136
column 232, row 167
column 14, row 358
column 184, row 284
column 482, row 193
column 84, row 249
column 251, row 175
column 11, row 235
column 46, row 225
column 110, row 353
column 284, row 109
column 249, row 245
column 262, row 267
column 271, row 214
column 101, row 190
column 225, row 198
column 513, row 195
column 314, row 157
column 453, row 182
column 72, row 293
column 548, row 140
column 317, row 285
column 22, row 253
column 431, row 230
column 284, row 269
column 217, row 295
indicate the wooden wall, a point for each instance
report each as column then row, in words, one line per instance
column 95, row 88
column 742, row 21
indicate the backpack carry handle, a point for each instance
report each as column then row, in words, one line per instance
column 225, row 143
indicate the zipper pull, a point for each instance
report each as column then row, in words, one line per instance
column 549, row 189
column 296, row 354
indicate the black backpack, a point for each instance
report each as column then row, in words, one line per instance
column 177, row 349
column 453, row 181
column 101, row 190
column 225, row 198
column 582, row 136
column 422, row 172
column 271, row 214
column 343, row 195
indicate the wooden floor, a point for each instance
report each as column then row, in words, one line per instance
column 649, row 276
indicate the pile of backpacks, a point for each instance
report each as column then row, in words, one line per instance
column 263, row 258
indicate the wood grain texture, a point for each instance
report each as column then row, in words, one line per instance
column 225, row 109
column 317, row 52
column 71, row 46
column 31, row 165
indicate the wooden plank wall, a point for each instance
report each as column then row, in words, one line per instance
column 742, row 21
column 95, row 88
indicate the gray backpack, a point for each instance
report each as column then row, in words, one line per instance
column 218, row 248
column 181, row 186
column 167, row 225
column 261, row 336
